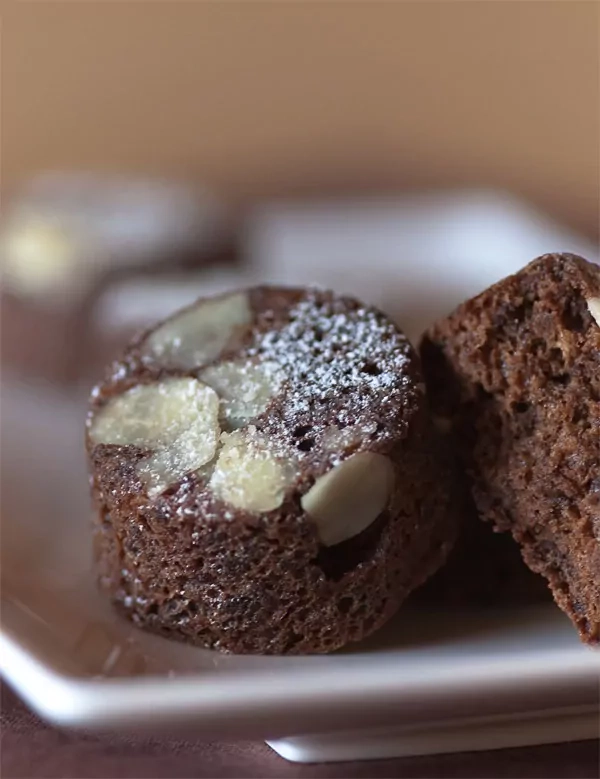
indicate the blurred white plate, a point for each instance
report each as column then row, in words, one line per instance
column 428, row 682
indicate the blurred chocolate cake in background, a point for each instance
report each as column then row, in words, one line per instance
column 67, row 239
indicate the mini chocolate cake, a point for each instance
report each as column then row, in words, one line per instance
column 515, row 372
column 264, row 476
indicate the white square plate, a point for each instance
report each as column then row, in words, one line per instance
column 428, row 682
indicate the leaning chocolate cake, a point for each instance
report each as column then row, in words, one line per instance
column 264, row 474
column 515, row 374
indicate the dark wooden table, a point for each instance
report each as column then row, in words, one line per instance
column 33, row 750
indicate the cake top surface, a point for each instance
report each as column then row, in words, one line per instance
column 301, row 378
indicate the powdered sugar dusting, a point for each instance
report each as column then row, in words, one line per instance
column 352, row 362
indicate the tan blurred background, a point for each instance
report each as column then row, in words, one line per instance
column 264, row 98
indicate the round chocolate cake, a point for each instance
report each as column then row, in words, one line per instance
column 264, row 474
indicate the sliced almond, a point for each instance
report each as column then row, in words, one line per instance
column 349, row 497
column 247, row 474
column 245, row 389
column 177, row 419
column 594, row 308
column 199, row 334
